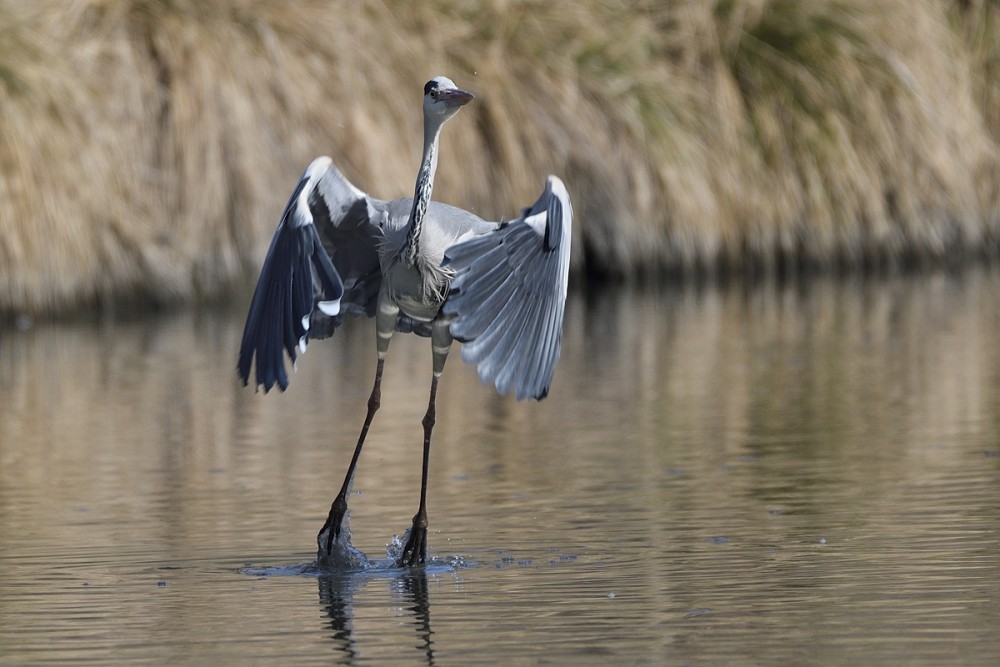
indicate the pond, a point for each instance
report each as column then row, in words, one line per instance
column 801, row 473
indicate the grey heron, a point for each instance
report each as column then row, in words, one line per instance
column 418, row 266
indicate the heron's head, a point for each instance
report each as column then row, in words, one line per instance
column 443, row 99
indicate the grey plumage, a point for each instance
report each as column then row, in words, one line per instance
column 508, row 295
column 418, row 266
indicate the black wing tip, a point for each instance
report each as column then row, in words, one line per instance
column 265, row 377
column 540, row 395
column 268, row 385
column 270, row 329
column 285, row 297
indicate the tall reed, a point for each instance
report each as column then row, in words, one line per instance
column 147, row 146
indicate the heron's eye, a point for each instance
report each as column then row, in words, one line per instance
column 434, row 94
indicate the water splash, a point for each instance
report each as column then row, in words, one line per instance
column 344, row 556
column 346, row 559
column 394, row 549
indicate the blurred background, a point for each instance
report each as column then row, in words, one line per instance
column 772, row 436
column 147, row 146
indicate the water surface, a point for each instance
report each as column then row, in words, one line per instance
column 772, row 474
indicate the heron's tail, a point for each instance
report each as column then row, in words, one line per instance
column 509, row 292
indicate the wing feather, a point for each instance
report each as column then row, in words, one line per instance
column 487, row 304
column 323, row 256
column 509, row 293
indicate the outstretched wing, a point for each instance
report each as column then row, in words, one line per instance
column 317, row 267
column 351, row 227
column 508, row 295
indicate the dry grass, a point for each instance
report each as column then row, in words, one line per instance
column 146, row 146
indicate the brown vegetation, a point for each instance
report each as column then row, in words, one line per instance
column 147, row 146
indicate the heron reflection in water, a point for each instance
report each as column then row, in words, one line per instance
column 336, row 594
column 416, row 266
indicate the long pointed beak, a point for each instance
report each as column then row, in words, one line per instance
column 455, row 97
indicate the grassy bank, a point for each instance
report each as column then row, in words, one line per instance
column 147, row 146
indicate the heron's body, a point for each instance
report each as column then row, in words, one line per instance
column 421, row 288
column 418, row 266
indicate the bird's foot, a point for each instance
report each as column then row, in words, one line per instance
column 332, row 530
column 414, row 552
column 334, row 541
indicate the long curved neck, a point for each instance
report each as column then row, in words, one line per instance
column 421, row 193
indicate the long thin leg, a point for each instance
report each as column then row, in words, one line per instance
column 330, row 531
column 415, row 551
column 385, row 324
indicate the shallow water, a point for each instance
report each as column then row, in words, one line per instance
column 795, row 474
